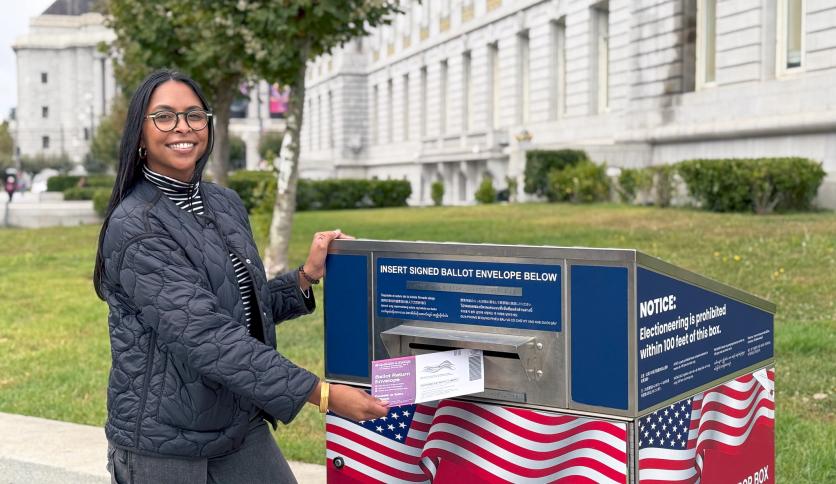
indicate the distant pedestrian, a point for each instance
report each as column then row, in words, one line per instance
column 11, row 184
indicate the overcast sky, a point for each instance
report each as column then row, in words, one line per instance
column 14, row 22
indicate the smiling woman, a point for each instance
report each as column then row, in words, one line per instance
column 195, row 372
column 172, row 148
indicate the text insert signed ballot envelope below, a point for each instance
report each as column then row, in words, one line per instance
column 428, row 377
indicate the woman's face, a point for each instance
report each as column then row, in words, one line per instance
column 174, row 153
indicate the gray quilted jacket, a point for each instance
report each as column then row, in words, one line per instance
column 186, row 375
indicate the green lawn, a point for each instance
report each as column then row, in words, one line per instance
column 54, row 352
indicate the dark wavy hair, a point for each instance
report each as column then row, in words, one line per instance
column 129, row 170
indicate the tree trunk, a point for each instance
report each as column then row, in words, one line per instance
column 220, row 152
column 275, row 258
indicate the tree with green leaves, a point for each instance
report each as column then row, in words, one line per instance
column 301, row 30
column 104, row 147
column 222, row 44
column 6, row 147
column 211, row 42
column 269, row 145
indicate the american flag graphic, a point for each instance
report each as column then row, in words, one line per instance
column 674, row 441
column 487, row 443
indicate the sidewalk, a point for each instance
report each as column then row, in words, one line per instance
column 52, row 452
column 35, row 210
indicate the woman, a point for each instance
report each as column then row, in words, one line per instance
column 195, row 373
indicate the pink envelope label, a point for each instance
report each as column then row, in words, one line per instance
column 393, row 380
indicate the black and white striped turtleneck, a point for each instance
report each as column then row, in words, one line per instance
column 178, row 192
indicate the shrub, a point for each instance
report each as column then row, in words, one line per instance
column 631, row 181
column 486, row 193
column 264, row 195
column 237, row 153
column 389, row 193
column 246, row 183
column 257, row 189
column 104, row 147
column 539, row 163
column 664, row 184
column 785, row 183
column 585, row 182
column 307, row 195
column 59, row 183
column 98, row 181
column 269, row 145
column 6, row 147
column 761, row 185
column 337, row 194
column 511, row 184
column 101, row 197
column 79, row 193
column 437, row 193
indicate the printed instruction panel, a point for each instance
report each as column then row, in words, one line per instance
column 522, row 296
column 689, row 336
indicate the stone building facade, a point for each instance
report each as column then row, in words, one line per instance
column 65, row 87
column 457, row 90
column 64, row 84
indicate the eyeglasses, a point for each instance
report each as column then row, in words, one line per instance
column 165, row 121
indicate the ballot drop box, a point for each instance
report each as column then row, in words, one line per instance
column 600, row 365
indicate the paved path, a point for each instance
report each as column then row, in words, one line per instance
column 35, row 210
column 37, row 450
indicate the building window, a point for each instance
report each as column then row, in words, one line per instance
column 426, row 15
column 706, row 42
column 320, row 122
column 442, row 98
column 330, row 119
column 601, row 56
column 309, row 124
column 45, row 142
column 44, row 77
column 467, row 93
column 558, row 74
column 405, row 107
column 390, row 111
column 790, row 35
column 374, row 115
column 523, row 78
column 44, row 111
column 424, row 101
column 495, row 88
column 689, row 45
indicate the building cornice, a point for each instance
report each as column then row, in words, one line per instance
column 65, row 32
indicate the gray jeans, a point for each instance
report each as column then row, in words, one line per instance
column 259, row 460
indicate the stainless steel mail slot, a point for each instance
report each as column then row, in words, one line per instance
column 519, row 366
column 607, row 331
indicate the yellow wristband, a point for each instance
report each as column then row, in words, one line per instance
column 324, row 391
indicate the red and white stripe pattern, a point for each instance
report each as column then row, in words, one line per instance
column 488, row 442
column 505, row 444
column 721, row 418
column 387, row 449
